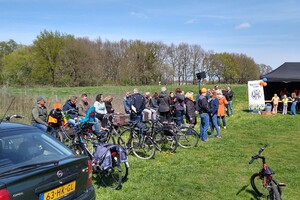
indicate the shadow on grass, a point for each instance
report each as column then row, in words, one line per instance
column 244, row 188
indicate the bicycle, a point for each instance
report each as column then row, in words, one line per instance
column 113, row 131
column 164, row 138
column 187, row 136
column 262, row 182
column 139, row 140
column 110, row 174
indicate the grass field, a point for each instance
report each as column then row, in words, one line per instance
column 214, row 170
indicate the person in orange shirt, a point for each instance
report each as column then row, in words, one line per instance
column 275, row 100
column 222, row 108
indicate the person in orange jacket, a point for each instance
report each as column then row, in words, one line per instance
column 222, row 108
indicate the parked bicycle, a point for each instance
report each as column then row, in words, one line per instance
column 109, row 160
column 138, row 140
column 113, row 130
column 262, row 182
column 164, row 136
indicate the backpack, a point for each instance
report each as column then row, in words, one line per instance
column 105, row 153
column 56, row 118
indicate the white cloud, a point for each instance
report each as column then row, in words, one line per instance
column 139, row 15
column 244, row 25
column 191, row 21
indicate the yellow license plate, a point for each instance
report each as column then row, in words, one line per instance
column 59, row 192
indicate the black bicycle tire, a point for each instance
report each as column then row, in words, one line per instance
column 186, row 133
column 274, row 193
column 124, row 139
column 143, row 146
column 77, row 149
column 125, row 171
column 259, row 191
column 108, row 177
column 277, row 184
column 255, row 187
column 166, row 142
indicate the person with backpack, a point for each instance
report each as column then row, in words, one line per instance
column 204, row 112
column 179, row 107
column 164, row 103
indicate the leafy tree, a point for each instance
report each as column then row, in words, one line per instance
column 248, row 68
column 47, row 47
column 8, row 47
column 17, row 67
column 264, row 69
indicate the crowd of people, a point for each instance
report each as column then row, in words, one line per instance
column 285, row 97
column 213, row 105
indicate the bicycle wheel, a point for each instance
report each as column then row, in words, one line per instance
column 274, row 192
column 77, row 149
column 124, row 139
column 166, row 141
column 256, row 181
column 142, row 146
column 125, row 170
column 187, row 137
column 112, row 177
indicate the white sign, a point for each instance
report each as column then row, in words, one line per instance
column 256, row 95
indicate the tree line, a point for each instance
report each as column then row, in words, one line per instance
column 57, row 59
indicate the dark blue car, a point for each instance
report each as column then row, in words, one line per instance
column 33, row 165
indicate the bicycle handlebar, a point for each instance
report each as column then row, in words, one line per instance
column 258, row 155
column 8, row 117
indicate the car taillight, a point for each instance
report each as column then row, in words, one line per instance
column 90, row 174
column 4, row 195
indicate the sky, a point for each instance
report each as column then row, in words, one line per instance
column 266, row 30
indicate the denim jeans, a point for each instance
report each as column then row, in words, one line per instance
column 230, row 107
column 214, row 125
column 96, row 125
column 223, row 121
column 44, row 128
column 40, row 126
column 204, row 126
column 293, row 108
column 179, row 117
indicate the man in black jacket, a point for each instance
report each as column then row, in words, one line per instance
column 138, row 103
column 230, row 96
column 204, row 112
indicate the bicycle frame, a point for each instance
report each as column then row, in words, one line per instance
column 268, row 182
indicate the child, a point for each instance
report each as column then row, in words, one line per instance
column 275, row 100
column 285, row 101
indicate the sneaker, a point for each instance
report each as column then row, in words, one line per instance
column 224, row 127
column 218, row 136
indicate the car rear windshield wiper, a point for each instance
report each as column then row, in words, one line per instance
column 28, row 167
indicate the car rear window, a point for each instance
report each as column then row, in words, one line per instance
column 26, row 147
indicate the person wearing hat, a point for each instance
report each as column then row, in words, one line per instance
column 204, row 112
column 40, row 114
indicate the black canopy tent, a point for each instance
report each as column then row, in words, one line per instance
column 286, row 76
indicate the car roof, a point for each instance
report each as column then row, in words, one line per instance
column 4, row 126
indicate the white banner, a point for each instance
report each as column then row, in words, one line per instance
column 256, row 95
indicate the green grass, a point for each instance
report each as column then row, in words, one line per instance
column 214, row 170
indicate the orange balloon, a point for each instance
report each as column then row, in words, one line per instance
column 261, row 83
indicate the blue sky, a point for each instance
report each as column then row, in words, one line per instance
column 266, row 30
